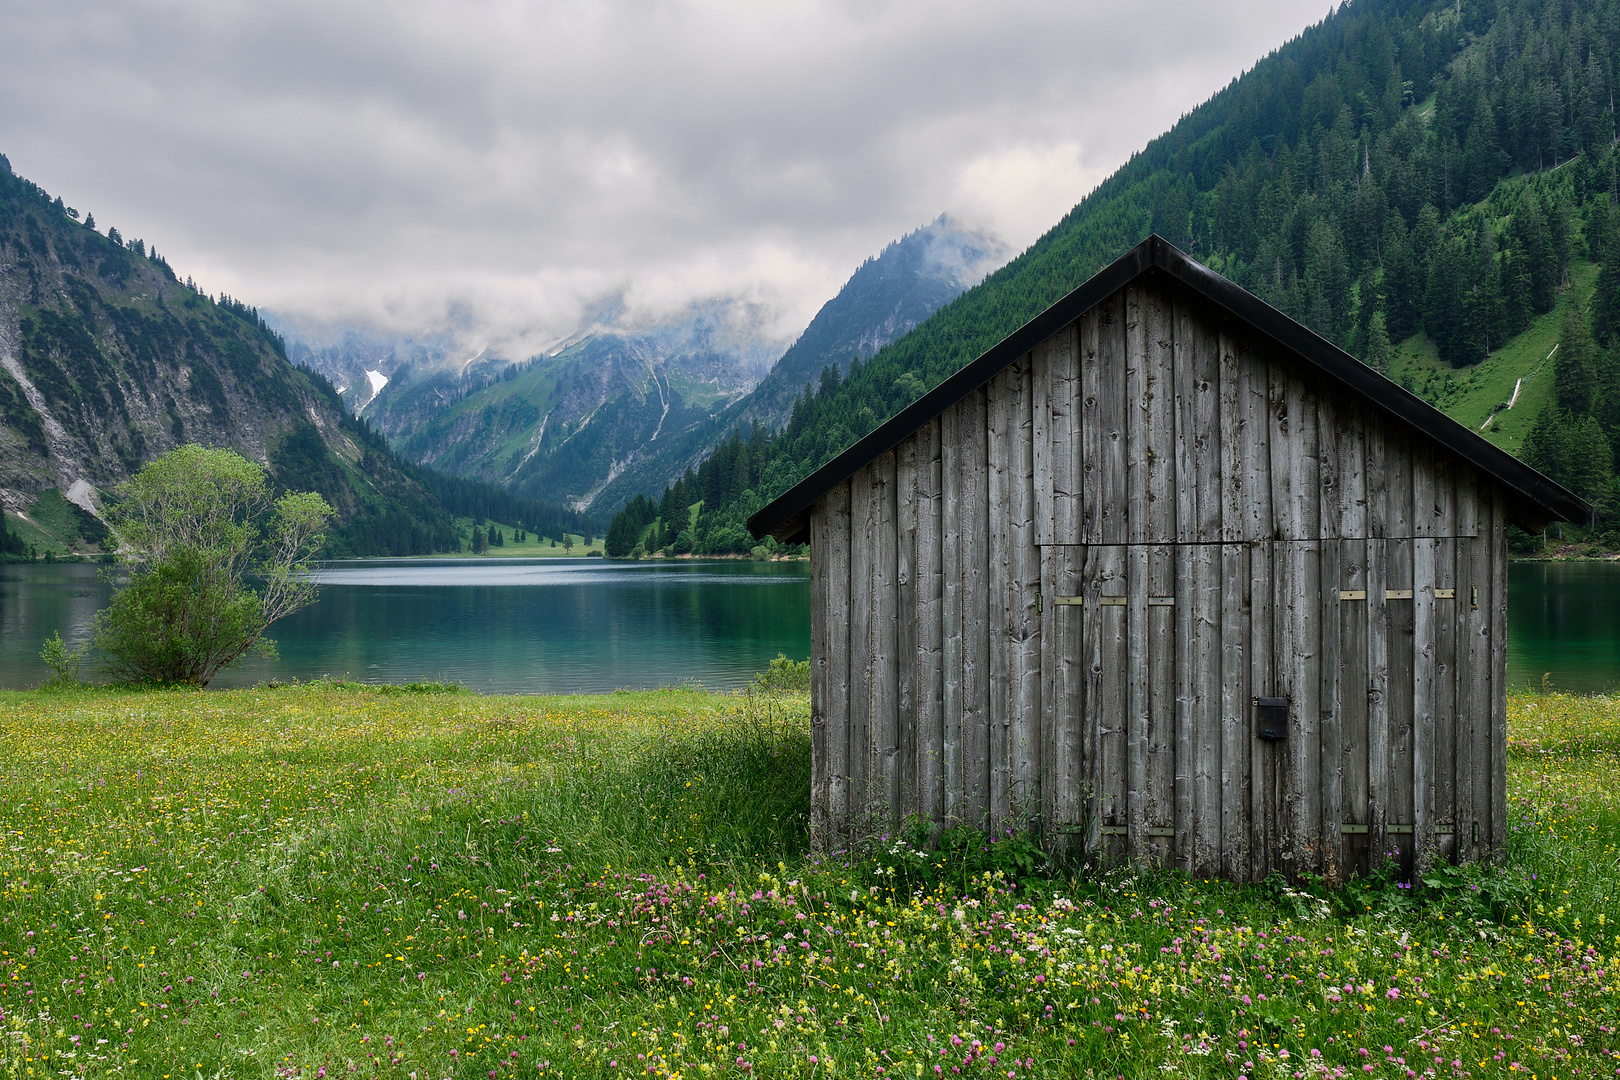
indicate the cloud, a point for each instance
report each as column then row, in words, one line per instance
column 495, row 170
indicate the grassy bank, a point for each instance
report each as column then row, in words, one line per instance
column 340, row 881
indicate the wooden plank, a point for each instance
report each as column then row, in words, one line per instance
column 1112, row 700
column 1092, row 743
column 1024, row 638
column 1060, row 475
column 906, row 798
column 1424, row 658
column 1330, row 760
column 838, row 661
column 954, row 776
column 976, row 607
column 1187, row 675
column 1350, row 441
column 1050, row 613
column 1262, row 683
column 1327, row 467
column 930, row 587
column 1258, row 524
column 1040, row 388
column 1179, row 451
column 1095, row 327
column 999, row 408
column 1203, row 655
column 819, row 663
column 1425, row 489
column 895, row 650
column 1154, row 433
column 1305, row 459
column 1473, row 692
column 1063, row 708
column 1354, row 690
column 1398, row 488
column 1377, row 481
column 1446, row 637
column 1498, row 712
column 862, row 567
column 1142, row 318
column 1115, row 347
column 1234, row 704
column 1160, row 808
column 1203, row 357
column 1489, row 680
column 1378, row 690
column 1467, row 488
column 1137, row 700
column 1230, row 403
column 1402, row 644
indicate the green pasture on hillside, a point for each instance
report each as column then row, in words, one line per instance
column 1471, row 395
column 330, row 880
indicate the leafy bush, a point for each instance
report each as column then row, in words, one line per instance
column 63, row 662
column 784, row 674
column 193, row 526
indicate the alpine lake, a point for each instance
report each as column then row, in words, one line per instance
column 585, row 625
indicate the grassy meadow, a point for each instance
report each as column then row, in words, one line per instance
column 331, row 880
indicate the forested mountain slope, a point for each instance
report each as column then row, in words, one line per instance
column 1426, row 174
column 107, row 360
column 566, row 424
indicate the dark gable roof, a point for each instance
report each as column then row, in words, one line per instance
column 1538, row 499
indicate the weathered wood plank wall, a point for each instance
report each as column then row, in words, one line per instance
column 1056, row 602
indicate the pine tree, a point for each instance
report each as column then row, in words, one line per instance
column 1575, row 367
column 1379, row 351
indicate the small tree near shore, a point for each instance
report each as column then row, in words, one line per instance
column 192, row 527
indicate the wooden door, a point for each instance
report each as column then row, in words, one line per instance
column 1150, row 667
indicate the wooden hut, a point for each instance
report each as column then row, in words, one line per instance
column 1166, row 576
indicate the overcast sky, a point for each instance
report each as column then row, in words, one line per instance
column 498, row 168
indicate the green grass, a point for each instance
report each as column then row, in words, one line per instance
column 33, row 533
column 404, row 881
column 1470, row 395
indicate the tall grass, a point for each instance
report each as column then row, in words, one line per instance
column 334, row 880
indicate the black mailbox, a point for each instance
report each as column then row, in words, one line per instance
column 1271, row 717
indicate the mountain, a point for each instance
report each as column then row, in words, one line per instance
column 620, row 409
column 1426, row 184
column 107, row 360
column 359, row 363
column 886, row 297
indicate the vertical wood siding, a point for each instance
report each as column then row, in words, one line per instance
column 1054, row 605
